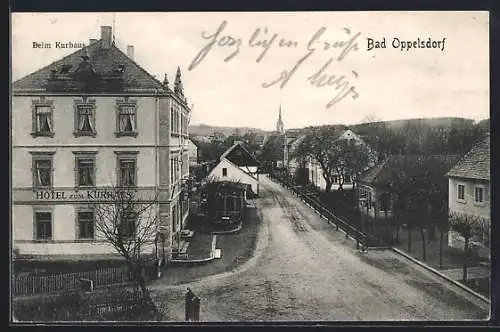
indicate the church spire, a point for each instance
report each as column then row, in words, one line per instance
column 279, row 125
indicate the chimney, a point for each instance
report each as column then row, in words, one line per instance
column 92, row 40
column 106, row 37
column 130, row 51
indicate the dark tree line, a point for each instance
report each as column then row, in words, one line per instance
column 420, row 137
column 218, row 143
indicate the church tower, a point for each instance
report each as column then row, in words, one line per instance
column 279, row 124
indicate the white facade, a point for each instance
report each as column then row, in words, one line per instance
column 227, row 171
column 472, row 197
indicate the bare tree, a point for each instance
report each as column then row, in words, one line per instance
column 357, row 159
column 467, row 226
column 130, row 224
column 321, row 145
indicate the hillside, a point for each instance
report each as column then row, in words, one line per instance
column 443, row 122
column 206, row 130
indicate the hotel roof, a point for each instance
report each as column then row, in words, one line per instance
column 101, row 65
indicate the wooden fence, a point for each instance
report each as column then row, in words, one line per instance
column 115, row 304
column 35, row 284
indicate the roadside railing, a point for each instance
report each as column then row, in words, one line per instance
column 339, row 223
column 361, row 238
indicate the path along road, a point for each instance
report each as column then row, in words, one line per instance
column 306, row 270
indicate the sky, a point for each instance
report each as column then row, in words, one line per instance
column 319, row 62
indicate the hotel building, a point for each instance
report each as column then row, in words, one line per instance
column 93, row 120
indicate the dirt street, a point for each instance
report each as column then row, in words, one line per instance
column 306, row 270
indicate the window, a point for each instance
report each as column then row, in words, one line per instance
column 42, row 169
column 224, row 171
column 85, row 169
column 43, row 118
column 172, row 128
column 174, row 120
column 127, row 225
column 127, row 169
column 177, row 121
column 230, row 204
column 183, row 125
column 126, row 118
column 479, row 194
column 172, row 170
column 43, row 221
column 461, row 192
column 385, row 202
column 127, row 172
column 175, row 169
column 85, row 224
column 185, row 164
column 85, row 118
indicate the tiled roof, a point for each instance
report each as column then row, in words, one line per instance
column 239, row 155
column 401, row 167
column 475, row 164
column 110, row 62
column 370, row 174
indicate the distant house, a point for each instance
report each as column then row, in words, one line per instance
column 381, row 187
column 238, row 165
column 193, row 153
column 470, row 193
column 314, row 171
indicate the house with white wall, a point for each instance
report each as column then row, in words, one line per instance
column 237, row 164
column 470, row 194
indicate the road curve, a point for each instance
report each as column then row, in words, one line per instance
column 307, row 271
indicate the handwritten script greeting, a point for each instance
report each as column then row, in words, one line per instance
column 263, row 40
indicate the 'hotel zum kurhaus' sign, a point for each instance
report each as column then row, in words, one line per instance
column 71, row 195
column 84, row 195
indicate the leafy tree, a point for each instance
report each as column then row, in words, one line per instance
column 483, row 126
